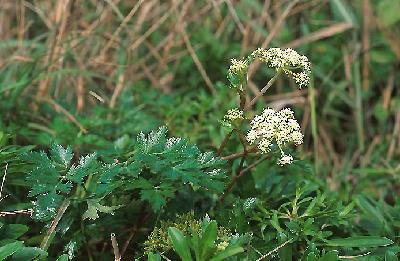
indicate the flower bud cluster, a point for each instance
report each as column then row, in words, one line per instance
column 232, row 115
column 238, row 67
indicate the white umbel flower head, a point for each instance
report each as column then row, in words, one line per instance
column 288, row 60
column 285, row 159
column 279, row 127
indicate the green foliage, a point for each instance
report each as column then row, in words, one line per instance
column 171, row 163
column 338, row 200
column 360, row 241
column 193, row 239
column 159, row 240
column 54, row 179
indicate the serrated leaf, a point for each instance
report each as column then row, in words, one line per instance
column 87, row 165
column 154, row 142
column 46, row 206
column 176, row 159
column 61, row 155
column 94, row 206
column 107, row 181
column 156, row 197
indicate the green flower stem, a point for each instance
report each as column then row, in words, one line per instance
column 224, row 142
column 242, row 95
column 263, row 90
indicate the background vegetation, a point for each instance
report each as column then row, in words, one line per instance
column 93, row 74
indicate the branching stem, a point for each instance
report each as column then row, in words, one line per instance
column 224, row 142
column 240, row 174
column 263, row 90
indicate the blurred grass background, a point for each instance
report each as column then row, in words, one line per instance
column 86, row 72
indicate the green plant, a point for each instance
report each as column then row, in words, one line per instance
column 146, row 65
column 193, row 239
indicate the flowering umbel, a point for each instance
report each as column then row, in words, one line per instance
column 275, row 126
column 288, row 60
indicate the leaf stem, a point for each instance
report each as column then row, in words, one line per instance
column 224, row 142
column 263, row 90
column 239, row 154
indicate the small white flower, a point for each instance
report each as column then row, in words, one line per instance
column 297, row 137
column 285, row 159
column 279, row 127
column 264, row 145
column 286, row 60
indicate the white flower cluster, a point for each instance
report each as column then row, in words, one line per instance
column 275, row 126
column 287, row 60
column 233, row 114
column 238, row 67
column 285, row 159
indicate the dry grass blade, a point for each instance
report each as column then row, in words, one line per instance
column 279, row 23
column 16, row 212
column 114, row 243
column 365, row 43
column 121, row 26
column 56, row 46
column 57, row 107
column 395, row 140
column 152, row 29
column 48, row 237
column 118, row 90
column 2, row 182
column 321, row 34
column 235, row 16
column 275, row 30
column 197, row 62
column 274, row 250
